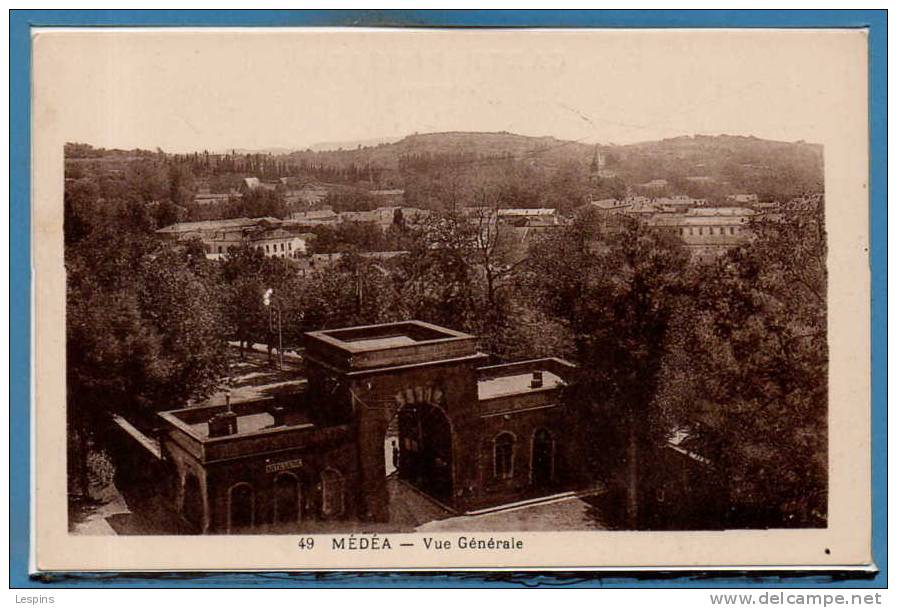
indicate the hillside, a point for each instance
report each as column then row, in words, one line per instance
column 451, row 144
column 700, row 165
column 443, row 170
column 722, row 164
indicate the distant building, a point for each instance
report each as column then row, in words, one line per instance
column 218, row 237
column 611, row 204
column 743, row 198
column 690, row 494
column 678, row 202
column 706, row 236
column 186, row 230
column 308, row 195
column 643, row 206
column 278, row 243
column 529, row 217
column 655, row 184
column 382, row 216
column 708, row 211
column 209, row 198
column 316, row 217
column 254, row 183
column 598, row 168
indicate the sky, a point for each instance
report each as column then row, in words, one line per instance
column 291, row 89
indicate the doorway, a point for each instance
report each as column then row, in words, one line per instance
column 423, row 450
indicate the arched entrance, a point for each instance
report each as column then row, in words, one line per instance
column 241, row 512
column 287, row 497
column 424, row 449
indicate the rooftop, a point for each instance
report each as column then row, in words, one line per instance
column 209, row 225
column 526, row 211
column 387, row 335
column 256, row 430
column 515, row 384
column 388, row 344
column 516, row 378
column 252, row 417
column 254, row 422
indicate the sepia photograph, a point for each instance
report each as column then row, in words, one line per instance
column 376, row 286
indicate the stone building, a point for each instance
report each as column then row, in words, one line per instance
column 218, row 237
column 409, row 401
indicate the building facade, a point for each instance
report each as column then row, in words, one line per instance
column 265, row 234
column 409, row 400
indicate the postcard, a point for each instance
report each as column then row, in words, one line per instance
column 395, row 299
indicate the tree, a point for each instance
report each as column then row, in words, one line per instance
column 142, row 333
column 747, row 373
column 258, row 203
column 615, row 282
column 436, row 281
column 246, row 274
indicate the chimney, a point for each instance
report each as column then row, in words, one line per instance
column 279, row 413
column 223, row 424
column 536, row 382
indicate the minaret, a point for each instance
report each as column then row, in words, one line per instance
column 595, row 167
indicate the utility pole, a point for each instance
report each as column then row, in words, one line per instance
column 266, row 299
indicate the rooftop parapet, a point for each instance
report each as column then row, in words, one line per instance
column 388, row 345
column 535, row 376
column 260, row 426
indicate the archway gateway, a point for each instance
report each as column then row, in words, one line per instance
column 424, row 443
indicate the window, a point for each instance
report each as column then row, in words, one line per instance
column 219, row 248
column 281, row 247
column 332, row 492
column 290, row 246
column 731, row 229
column 242, row 506
column 504, row 456
column 267, row 250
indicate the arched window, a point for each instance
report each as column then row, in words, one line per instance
column 193, row 505
column 542, row 457
column 332, row 493
column 503, row 451
column 287, row 497
column 241, row 511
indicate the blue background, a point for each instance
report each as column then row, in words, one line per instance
column 20, row 279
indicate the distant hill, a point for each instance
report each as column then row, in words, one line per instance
column 549, row 150
column 351, row 144
column 438, row 169
column 713, row 165
column 698, row 165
